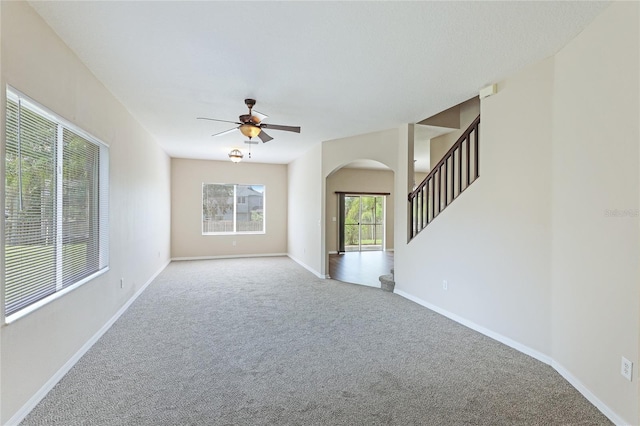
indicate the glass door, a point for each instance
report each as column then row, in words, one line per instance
column 363, row 222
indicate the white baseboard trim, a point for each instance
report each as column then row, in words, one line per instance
column 616, row 419
column 308, row 268
column 227, row 256
column 337, row 252
column 44, row 390
column 496, row 336
column 604, row 409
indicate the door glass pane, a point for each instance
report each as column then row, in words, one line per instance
column 379, row 222
column 371, row 217
column 351, row 223
column 363, row 222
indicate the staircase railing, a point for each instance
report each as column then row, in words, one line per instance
column 457, row 169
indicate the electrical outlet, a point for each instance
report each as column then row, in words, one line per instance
column 626, row 369
column 233, row 243
column 445, row 285
column 121, row 282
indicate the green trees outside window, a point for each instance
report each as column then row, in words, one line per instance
column 232, row 208
column 56, row 207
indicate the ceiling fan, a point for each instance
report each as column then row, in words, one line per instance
column 251, row 124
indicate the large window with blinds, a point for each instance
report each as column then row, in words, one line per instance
column 229, row 208
column 56, row 206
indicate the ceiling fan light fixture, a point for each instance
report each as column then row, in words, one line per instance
column 250, row 130
column 236, row 155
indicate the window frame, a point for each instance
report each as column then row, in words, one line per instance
column 102, row 235
column 234, row 197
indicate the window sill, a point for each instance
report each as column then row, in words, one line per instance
column 40, row 303
column 234, row 233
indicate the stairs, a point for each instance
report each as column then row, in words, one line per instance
column 454, row 173
column 387, row 282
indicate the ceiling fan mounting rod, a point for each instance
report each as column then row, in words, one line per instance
column 250, row 104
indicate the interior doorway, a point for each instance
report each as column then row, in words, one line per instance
column 362, row 219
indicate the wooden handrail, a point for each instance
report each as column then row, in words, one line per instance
column 455, row 146
column 445, row 182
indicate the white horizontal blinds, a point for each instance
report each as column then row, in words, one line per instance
column 56, row 205
column 30, row 207
column 103, row 205
column 80, row 208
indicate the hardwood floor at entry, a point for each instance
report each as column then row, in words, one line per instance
column 360, row 267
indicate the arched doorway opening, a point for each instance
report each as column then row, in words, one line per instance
column 359, row 222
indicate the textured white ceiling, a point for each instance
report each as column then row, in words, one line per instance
column 334, row 68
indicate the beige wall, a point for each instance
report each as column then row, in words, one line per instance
column 596, row 252
column 355, row 181
column 305, row 207
column 187, row 177
column 419, row 177
column 307, row 241
column 448, row 118
column 36, row 62
column 439, row 145
column 542, row 251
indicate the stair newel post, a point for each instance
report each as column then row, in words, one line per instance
column 446, row 181
column 468, row 140
column 476, row 151
column 412, row 227
column 433, row 197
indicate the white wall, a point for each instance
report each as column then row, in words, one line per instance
column 492, row 244
column 378, row 146
column 35, row 61
column 306, row 211
column 596, row 250
column 187, row 177
column 542, row 250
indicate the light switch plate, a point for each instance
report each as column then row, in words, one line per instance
column 626, row 369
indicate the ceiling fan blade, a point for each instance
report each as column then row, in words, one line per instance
column 225, row 132
column 260, row 116
column 264, row 137
column 215, row 119
column 279, row 127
